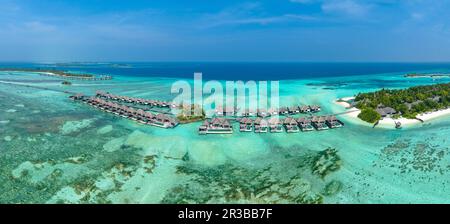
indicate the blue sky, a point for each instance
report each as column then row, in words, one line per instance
column 226, row 30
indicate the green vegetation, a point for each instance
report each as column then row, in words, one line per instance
column 369, row 115
column 189, row 114
column 58, row 73
column 53, row 72
column 407, row 102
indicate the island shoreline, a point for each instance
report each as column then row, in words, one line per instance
column 388, row 122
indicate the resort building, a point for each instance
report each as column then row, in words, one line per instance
column 273, row 111
column 319, row 122
column 216, row 126
column 230, row 111
column 386, row 111
column 275, row 125
column 333, row 122
column 291, row 125
column 261, row 125
column 315, row 108
column 293, row 110
column 283, row 111
column 164, row 121
column 249, row 113
column 305, row 109
column 263, row 113
column 78, row 96
column 305, row 124
column 246, row 125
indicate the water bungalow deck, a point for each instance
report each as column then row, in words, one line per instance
column 291, row 125
column 246, row 125
column 138, row 115
column 275, row 125
column 216, row 126
column 261, row 125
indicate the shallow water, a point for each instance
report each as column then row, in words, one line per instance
column 53, row 150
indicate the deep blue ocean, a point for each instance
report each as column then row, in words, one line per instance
column 238, row 70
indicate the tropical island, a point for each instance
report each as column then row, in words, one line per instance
column 428, row 75
column 58, row 73
column 414, row 104
column 188, row 114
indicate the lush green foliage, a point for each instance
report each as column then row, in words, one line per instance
column 188, row 114
column 369, row 115
column 409, row 102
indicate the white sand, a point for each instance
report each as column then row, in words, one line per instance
column 344, row 104
column 433, row 115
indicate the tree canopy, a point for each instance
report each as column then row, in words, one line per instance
column 409, row 102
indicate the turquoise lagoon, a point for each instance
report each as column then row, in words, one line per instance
column 53, row 150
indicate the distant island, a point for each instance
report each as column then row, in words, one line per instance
column 59, row 73
column 430, row 75
column 411, row 105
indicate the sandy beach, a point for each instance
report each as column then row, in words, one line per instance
column 388, row 122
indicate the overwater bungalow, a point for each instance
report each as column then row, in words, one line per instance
column 291, row 125
column 164, row 121
column 203, row 129
column 333, row 122
column 100, row 93
column 108, row 107
column 262, row 113
column 249, row 113
column 123, row 111
column 305, row 124
column 216, row 126
column 246, row 124
column 283, row 111
column 319, row 122
column 315, row 108
column 132, row 114
column 261, row 125
column 230, row 111
column 293, row 110
column 273, row 111
column 148, row 117
column 305, row 109
column 275, row 125
column 140, row 116
column 78, row 96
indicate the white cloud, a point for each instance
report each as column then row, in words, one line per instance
column 346, row 7
column 38, row 26
column 302, row 1
column 249, row 13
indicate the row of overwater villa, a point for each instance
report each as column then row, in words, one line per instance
column 273, row 125
column 232, row 111
column 115, row 104
column 77, row 76
column 134, row 100
column 144, row 117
